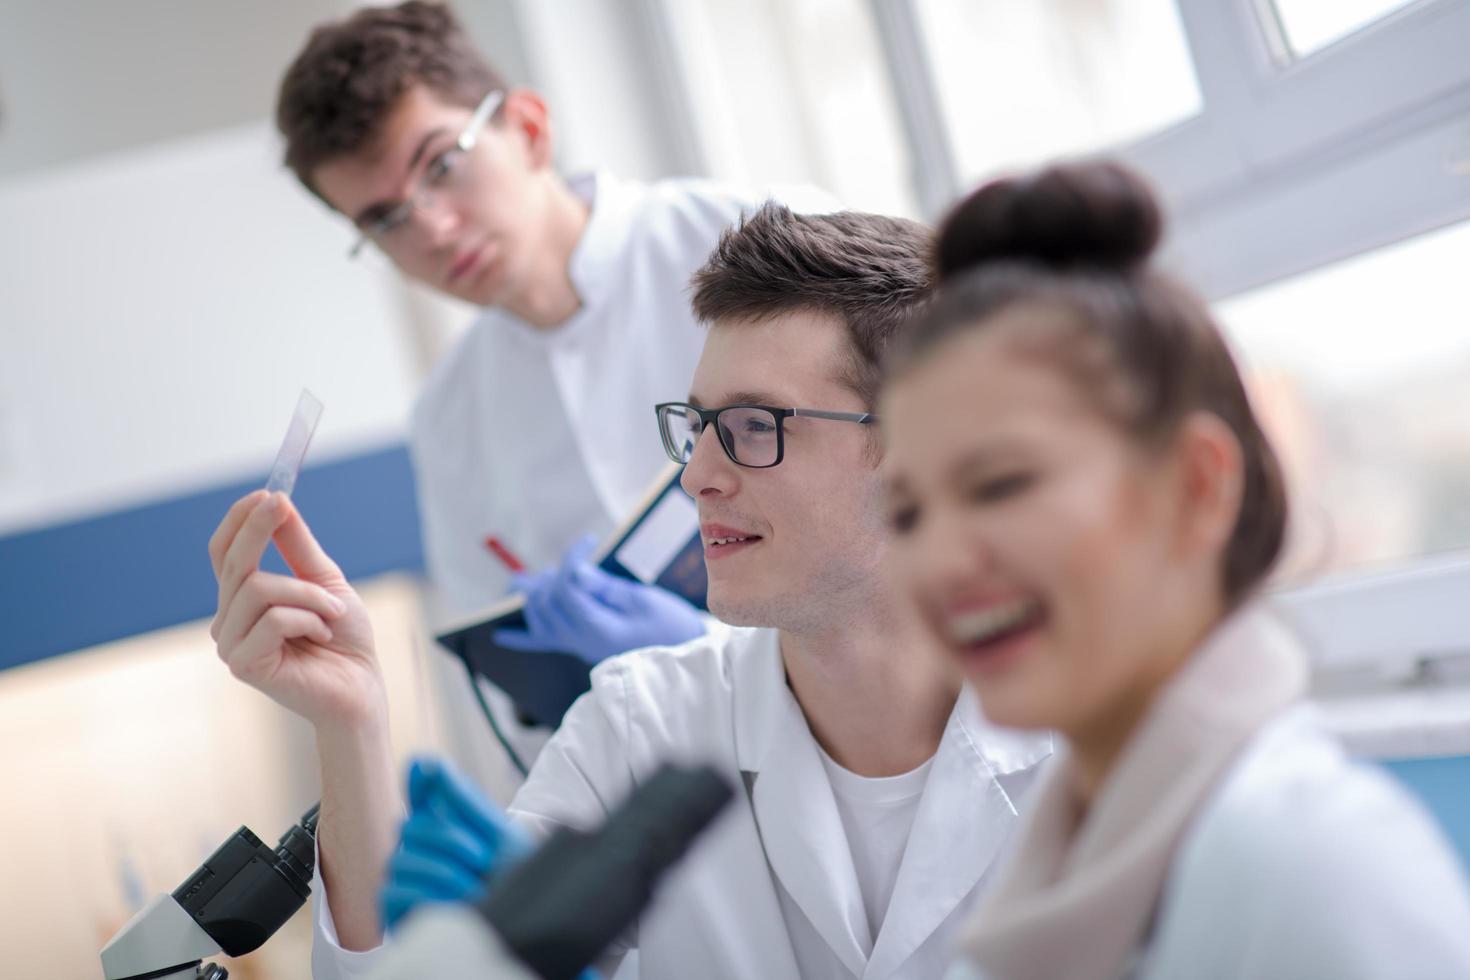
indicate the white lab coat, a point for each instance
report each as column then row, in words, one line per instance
column 726, row 913
column 1307, row 865
column 540, row 436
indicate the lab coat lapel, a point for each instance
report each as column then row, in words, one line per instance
column 796, row 814
column 965, row 817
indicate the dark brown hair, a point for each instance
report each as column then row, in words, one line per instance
column 352, row 72
column 869, row 271
column 1075, row 239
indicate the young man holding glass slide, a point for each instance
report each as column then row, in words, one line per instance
column 873, row 799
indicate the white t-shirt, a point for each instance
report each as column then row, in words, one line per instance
column 877, row 815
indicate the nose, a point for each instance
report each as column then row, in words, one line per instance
column 950, row 553
column 437, row 223
column 709, row 471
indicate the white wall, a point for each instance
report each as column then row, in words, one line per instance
column 161, row 309
column 165, row 287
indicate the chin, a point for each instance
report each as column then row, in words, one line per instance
column 737, row 610
column 1011, row 704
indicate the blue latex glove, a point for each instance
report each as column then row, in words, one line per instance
column 453, row 838
column 453, row 841
column 582, row 609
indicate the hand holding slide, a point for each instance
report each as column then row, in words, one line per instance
column 303, row 639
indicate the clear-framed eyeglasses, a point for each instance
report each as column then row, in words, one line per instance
column 751, row 435
column 444, row 175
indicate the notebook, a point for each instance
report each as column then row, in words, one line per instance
column 658, row 544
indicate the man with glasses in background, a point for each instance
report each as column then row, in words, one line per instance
column 871, row 799
column 533, row 429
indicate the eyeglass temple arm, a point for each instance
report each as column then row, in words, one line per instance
column 482, row 115
column 864, row 418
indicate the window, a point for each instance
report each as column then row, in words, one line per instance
column 1361, row 371
column 1307, row 26
column 1025, row 82
column 795, row 91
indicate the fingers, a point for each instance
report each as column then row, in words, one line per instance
column 514, row 639
column 259, row 651
column 442, row 797
column 537, row 612
column 569, row 599
column 242, row 555
column 611, row 590
column 423, row 773
column 580, row 552
column 299, row 547
column 448, row 843
column 219, row 542
column 263, row 591
column 414, row 880
column 459, row 800
column 563, row 605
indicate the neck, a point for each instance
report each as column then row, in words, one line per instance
column 1098, row 743
column 876, row 699
column 549, row 297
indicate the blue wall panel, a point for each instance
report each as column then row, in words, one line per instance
column 76, row 585
column 1444, row 785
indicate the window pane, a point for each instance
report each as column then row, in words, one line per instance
column 1025, row 81
column 1309, row 25
column 1361, row 372
column 798, row 90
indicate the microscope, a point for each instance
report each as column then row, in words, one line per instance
column 547, row 917
column 231, row 904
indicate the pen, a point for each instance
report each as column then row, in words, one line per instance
column 506, row 556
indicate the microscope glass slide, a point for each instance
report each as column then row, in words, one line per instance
column 293, row 447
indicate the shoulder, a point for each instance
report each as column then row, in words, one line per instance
column 684, row 701
column 1295, row 805
column 1328, row 862
column 683, row 678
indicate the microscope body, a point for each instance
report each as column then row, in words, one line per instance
column 232, row 903
column 161, row 927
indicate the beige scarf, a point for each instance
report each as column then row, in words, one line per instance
column 1076, row 897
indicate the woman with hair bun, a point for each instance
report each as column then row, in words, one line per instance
column 1084, row 507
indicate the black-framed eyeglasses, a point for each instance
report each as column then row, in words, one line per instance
column 445, row 175
column 751, row 435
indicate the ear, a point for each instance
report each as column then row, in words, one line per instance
column 526, row 117
column 1212, row 480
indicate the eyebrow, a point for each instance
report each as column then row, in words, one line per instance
column 745, row 398
column 382, row 207
column 1002, row 453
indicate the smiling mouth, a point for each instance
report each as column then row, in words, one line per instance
column 721, row 547
column 987, row 630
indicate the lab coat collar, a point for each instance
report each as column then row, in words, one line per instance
column 594, row 262
column 964, row 819
column 964, row 816
column 762, row 699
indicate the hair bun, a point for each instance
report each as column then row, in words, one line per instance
column 1097, row 214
